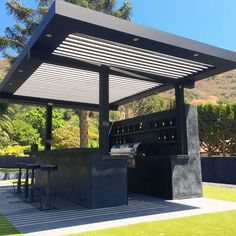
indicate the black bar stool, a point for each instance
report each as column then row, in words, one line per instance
column 32, row 188
column 19, row 182
column 48, row 198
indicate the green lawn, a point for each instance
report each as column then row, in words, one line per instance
column 213, row 224
column 10, row 181
column 226, row 194
column 6, row 228
column 9, row 170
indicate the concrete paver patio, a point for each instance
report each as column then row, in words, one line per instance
column 70, row 218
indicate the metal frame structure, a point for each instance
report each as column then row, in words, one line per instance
column 85, row 59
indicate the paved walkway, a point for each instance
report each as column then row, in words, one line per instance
column 70, row 218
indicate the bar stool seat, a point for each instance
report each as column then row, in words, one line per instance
column 33, row 166
column 48, row 167
column 48, row 198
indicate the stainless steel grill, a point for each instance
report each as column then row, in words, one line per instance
column 129, row 149
column 132, row 150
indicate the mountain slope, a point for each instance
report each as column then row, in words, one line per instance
column 222, row 87
column 3, row 67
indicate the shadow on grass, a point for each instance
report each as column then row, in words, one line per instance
column 6, row 228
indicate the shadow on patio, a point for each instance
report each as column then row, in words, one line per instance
column 29, row 219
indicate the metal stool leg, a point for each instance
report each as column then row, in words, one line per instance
column 27, row 183
column 32, row 187
column 19, row 181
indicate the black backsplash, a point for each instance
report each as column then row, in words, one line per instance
column 156, row 130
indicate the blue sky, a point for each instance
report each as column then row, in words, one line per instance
column 209, row 21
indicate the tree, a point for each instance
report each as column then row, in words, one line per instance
column 27, row 19
column 36, row 117
column 6, row 126
column 147, row 105
column 66, row 137
column 226, row 127
column 24, row 134
column 217, row 128
column 208, row 128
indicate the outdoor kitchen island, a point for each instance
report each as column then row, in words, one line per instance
column 85, row 177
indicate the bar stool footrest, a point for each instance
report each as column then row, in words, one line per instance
column 47, row 201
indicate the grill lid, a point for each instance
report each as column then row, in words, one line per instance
column 125, row 149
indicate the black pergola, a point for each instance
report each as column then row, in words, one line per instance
column 85, row 59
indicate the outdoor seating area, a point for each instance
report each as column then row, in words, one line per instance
column 98, row 62
column 29, row 191
column 145, row 168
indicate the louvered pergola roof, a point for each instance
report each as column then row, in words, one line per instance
column 62, row 60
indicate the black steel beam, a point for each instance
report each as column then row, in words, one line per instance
column 181, row 120
column 9, row 98
column 143, row 76
column 104, row 110
column 48, row 129
column 147, row 93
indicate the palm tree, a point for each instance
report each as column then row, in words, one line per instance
column 6, row 126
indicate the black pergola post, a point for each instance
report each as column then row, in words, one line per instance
column 180, row 120
column 104, row 110
column 48, row 134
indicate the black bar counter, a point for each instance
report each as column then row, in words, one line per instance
column 85, row 177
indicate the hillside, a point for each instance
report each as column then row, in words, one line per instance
column 3, row 67
column 220, row 88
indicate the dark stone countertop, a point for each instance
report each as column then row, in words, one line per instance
column 75, row 152
column 69, row 151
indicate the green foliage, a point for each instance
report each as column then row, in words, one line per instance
column 93, row 133
column 115, row 115
column 24, row 133
column 36, row 117
column 6, row 126
column 14, row 150
column 217, row 128
column 66, row 137
column 27, row 19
